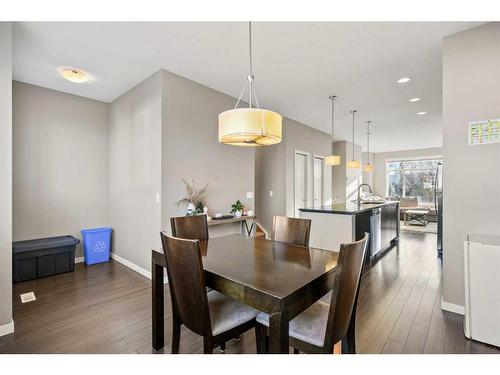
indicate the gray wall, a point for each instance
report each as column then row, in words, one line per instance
column 367, row 177
column 275, row 169
column 135, row 171
column 300, row 137
column 346, row 180
column 471, row 178
column 60, row 169
column 5, row 173
column 379, row 175
column 190, row 149
column 270, row 175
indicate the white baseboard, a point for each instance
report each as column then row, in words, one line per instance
column 135, row 267
column 79, row 260
column 7, row 328
column 266, row 233
column 451, row 307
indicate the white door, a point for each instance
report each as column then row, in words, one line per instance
column 301, row 181
column 319, row 180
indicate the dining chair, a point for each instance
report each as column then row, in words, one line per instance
column 190, row 227
column 318, row 328
column 213, row 315
column 291, row 230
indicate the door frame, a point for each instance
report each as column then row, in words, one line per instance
column 323, row 184
column 308, row 179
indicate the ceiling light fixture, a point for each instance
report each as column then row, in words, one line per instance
column 333, row 159
column 421, row 113
column 368, row 167
column 353, row 163
column 413, row 100
column 404, row 80
column 250, row 126
column 74, row 75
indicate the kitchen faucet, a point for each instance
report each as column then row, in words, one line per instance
column 359, row 191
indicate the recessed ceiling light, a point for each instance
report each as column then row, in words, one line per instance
column 74, row 75
column 413, row 100
column 404, row 80
column 421, row 113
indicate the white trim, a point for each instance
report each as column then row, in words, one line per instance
column 323, row 182
column 409, row 158
column 7, row 328
column 266, row 233
column 451, row 307
column 79, row 260
column 135, row 267
column 308, row 179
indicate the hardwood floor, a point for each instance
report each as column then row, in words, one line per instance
column 106, row 308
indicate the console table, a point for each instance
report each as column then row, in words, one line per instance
column 245, row 229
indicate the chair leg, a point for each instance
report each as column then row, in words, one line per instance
column 222, row 347
column 208, row 346
column 176, row 336
column 296, row 351
column 261, row 339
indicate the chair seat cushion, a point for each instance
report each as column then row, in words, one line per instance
column 309, row 326
column 227, row 313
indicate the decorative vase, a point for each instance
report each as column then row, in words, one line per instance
column 190, row 209
column 250, row 213
column 205, row 210
column 238, row 213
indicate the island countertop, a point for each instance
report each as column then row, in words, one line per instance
column 347, row 208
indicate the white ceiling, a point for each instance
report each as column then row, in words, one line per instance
column 296, row 65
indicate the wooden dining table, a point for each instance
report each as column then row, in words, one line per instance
column 274, row 277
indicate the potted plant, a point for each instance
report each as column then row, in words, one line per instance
column 195, row 198
column 237, row 208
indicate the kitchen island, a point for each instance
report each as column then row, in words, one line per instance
column 347, row 222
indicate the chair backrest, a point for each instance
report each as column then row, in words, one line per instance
column 187, row 283
column 291, row 230
column 408, row 202
column 345, row 290
column 190, row 227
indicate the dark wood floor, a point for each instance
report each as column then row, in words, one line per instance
column 105, row 308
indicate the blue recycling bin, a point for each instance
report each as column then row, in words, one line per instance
column 96, row 245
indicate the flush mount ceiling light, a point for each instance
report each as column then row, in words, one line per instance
column 333, row 159
column 404, row 80
column 353, row 163
column 368, row 167
column 414, row 100
column 250, row 126
column 421, row 113
column 74, row 75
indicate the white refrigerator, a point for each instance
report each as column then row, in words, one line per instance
column 482, row 288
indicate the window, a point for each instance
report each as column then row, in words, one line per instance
column 412, row 178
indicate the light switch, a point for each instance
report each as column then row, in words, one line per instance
column 157, row 198
column 249, row 194
column 270, row 193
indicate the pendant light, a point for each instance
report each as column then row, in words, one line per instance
column 368, row 167
column 249, row 126
column 353, row 163
column 333, row 159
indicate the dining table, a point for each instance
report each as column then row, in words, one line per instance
column 277, row 278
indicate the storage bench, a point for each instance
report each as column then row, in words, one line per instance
column 33, row 259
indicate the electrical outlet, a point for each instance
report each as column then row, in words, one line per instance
column 249, row 194
column 270, row 193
